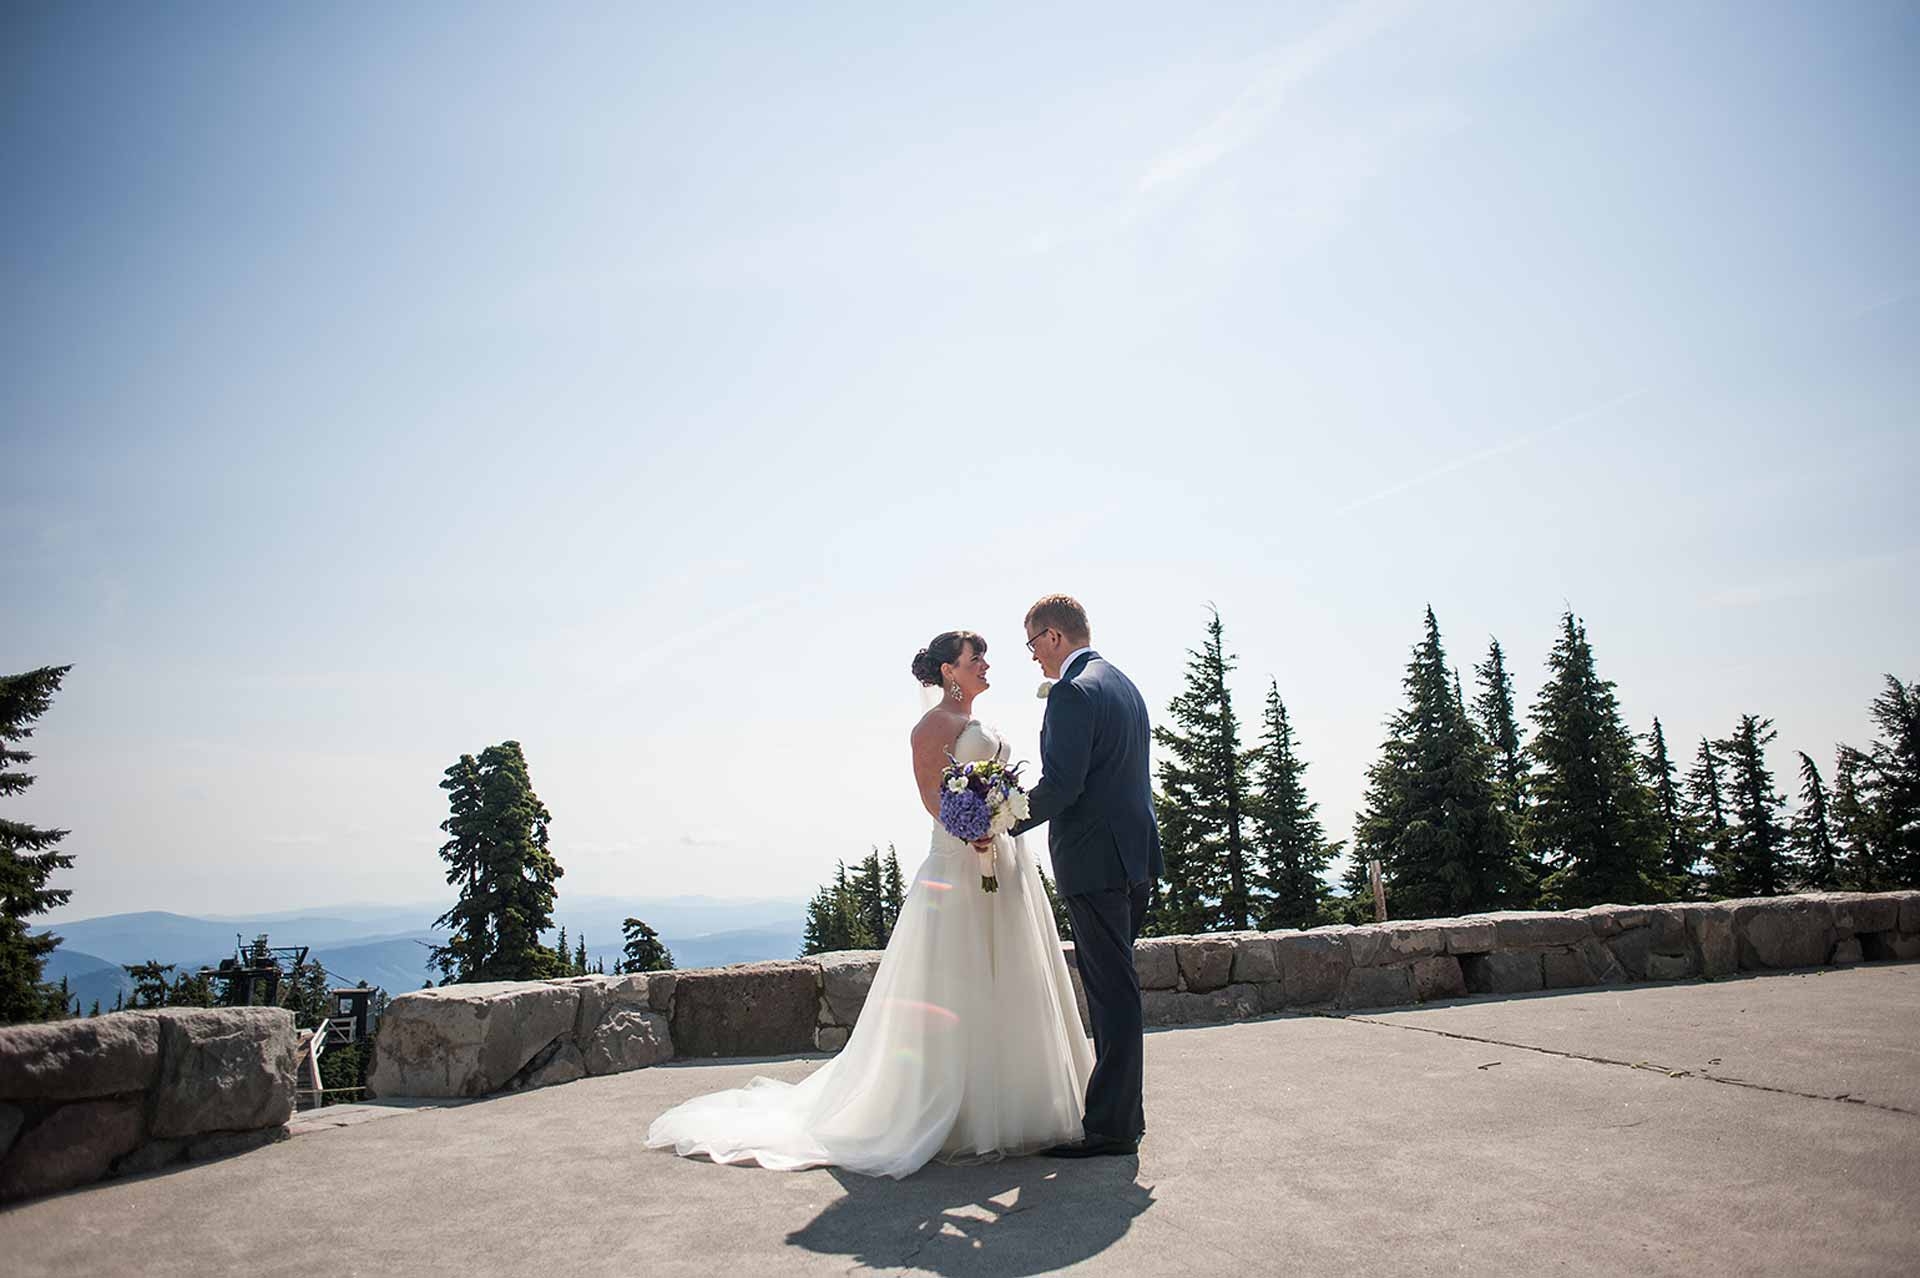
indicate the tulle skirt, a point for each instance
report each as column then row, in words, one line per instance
column 969, row 1046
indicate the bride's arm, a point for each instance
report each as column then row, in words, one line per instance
column 933, row 740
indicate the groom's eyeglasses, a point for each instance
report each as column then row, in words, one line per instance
column 1037, row 638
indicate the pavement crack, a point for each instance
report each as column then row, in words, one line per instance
column 1844, row 1098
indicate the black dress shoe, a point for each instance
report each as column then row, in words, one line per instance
column 1093, row 1147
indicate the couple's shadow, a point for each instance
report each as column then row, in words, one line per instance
column 1017, row 1216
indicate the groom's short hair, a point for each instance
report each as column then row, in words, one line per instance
column 1062, row 613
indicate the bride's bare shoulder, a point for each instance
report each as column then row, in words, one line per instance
column 939, row 725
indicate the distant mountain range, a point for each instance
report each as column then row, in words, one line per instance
column 387, row 946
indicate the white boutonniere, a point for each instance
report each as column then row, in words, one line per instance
column 1046, row 686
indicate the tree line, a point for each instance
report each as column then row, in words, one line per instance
column 1469, row 808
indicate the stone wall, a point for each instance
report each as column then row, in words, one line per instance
column 134, row 1091
column 470, row 1040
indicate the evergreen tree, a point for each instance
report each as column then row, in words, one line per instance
column 1707, row 815
column 1857, row 828
column 1203, row 786
column 96, row 1008
column 119, row 1000
column 150, row 985
column 1757, row 865
column 857, row 910
column 191, row 989
column 869, row 885
column 645, row 951
column 27, row 858
column 1431, row 816
column 465, row 852
column 498, row 851
column 1680, row 843
column 1593, row 823
column 580, row 956
column 309, row 995
column 1889, row 781
column 565, row 966
column 1817, row 855
column 1493, row 706
column 1293, row 851
column 895, row 888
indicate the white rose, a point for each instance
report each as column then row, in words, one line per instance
column 1017, row 803
column 1046, row 686
column 957, row 784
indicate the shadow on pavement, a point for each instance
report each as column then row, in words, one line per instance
column 1018, row 1216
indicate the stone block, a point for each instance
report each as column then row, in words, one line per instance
column 1864, row 912
column 76, row 1144
column 750, row 1009
column 152, row 1156
column 1206, row 964
column 1669, row 967
column 660, row 986
column 227, row 1144
column 224, row 1069
column 1182, row 1007
column 1847, row 950
column 12, row 1119
column 1788, row 931
column 846, row 976
column 81, row 1058
column 1610, row 920
column 1601, row 965
column 1367, row 945
column 1668, row 924
column 1631, row 950
column 1884, row 946
column 1254, row 961
column 1470, row 935
column 629, row 1038
column 1438, row 977
column 1272, row 995
column 1711, row 939
column 1417, row 939
column 1157, row 962
column 1377, row 987
column 1909, row 911
column 1521, row 929
column 831, row 1038
column 1564, row 969
column 1503, row 972
column 1313, row 967
column 563, row 1063
column 468, row 1040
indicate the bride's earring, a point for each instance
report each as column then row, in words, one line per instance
column 953, row 690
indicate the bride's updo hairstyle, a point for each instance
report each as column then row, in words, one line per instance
column 945, row 649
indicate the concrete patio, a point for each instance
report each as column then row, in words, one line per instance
column 1760, row 1125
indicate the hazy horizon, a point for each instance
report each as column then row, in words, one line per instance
column 648, row 386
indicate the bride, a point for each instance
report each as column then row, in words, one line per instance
column 969, row 1047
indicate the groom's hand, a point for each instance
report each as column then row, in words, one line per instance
column 982, row 845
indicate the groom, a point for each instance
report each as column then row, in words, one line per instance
column 1095, row 797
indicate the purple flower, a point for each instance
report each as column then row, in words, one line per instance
column 965, row 815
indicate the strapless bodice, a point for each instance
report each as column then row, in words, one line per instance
column 977, row 741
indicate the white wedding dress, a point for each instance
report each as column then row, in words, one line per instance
column 969, row 1046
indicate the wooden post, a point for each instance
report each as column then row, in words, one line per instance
column 1379, row 892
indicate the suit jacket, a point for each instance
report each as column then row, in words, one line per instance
column 1094, row 794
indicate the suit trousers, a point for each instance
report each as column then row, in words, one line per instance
column 1105, row 925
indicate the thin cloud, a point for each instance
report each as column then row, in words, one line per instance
column 1283, row 71
column 1487, row 454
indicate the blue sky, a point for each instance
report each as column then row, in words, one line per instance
column 648, row 386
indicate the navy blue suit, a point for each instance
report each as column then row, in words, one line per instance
column 1096, row 799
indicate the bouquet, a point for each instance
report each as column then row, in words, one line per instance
column 978, row 800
